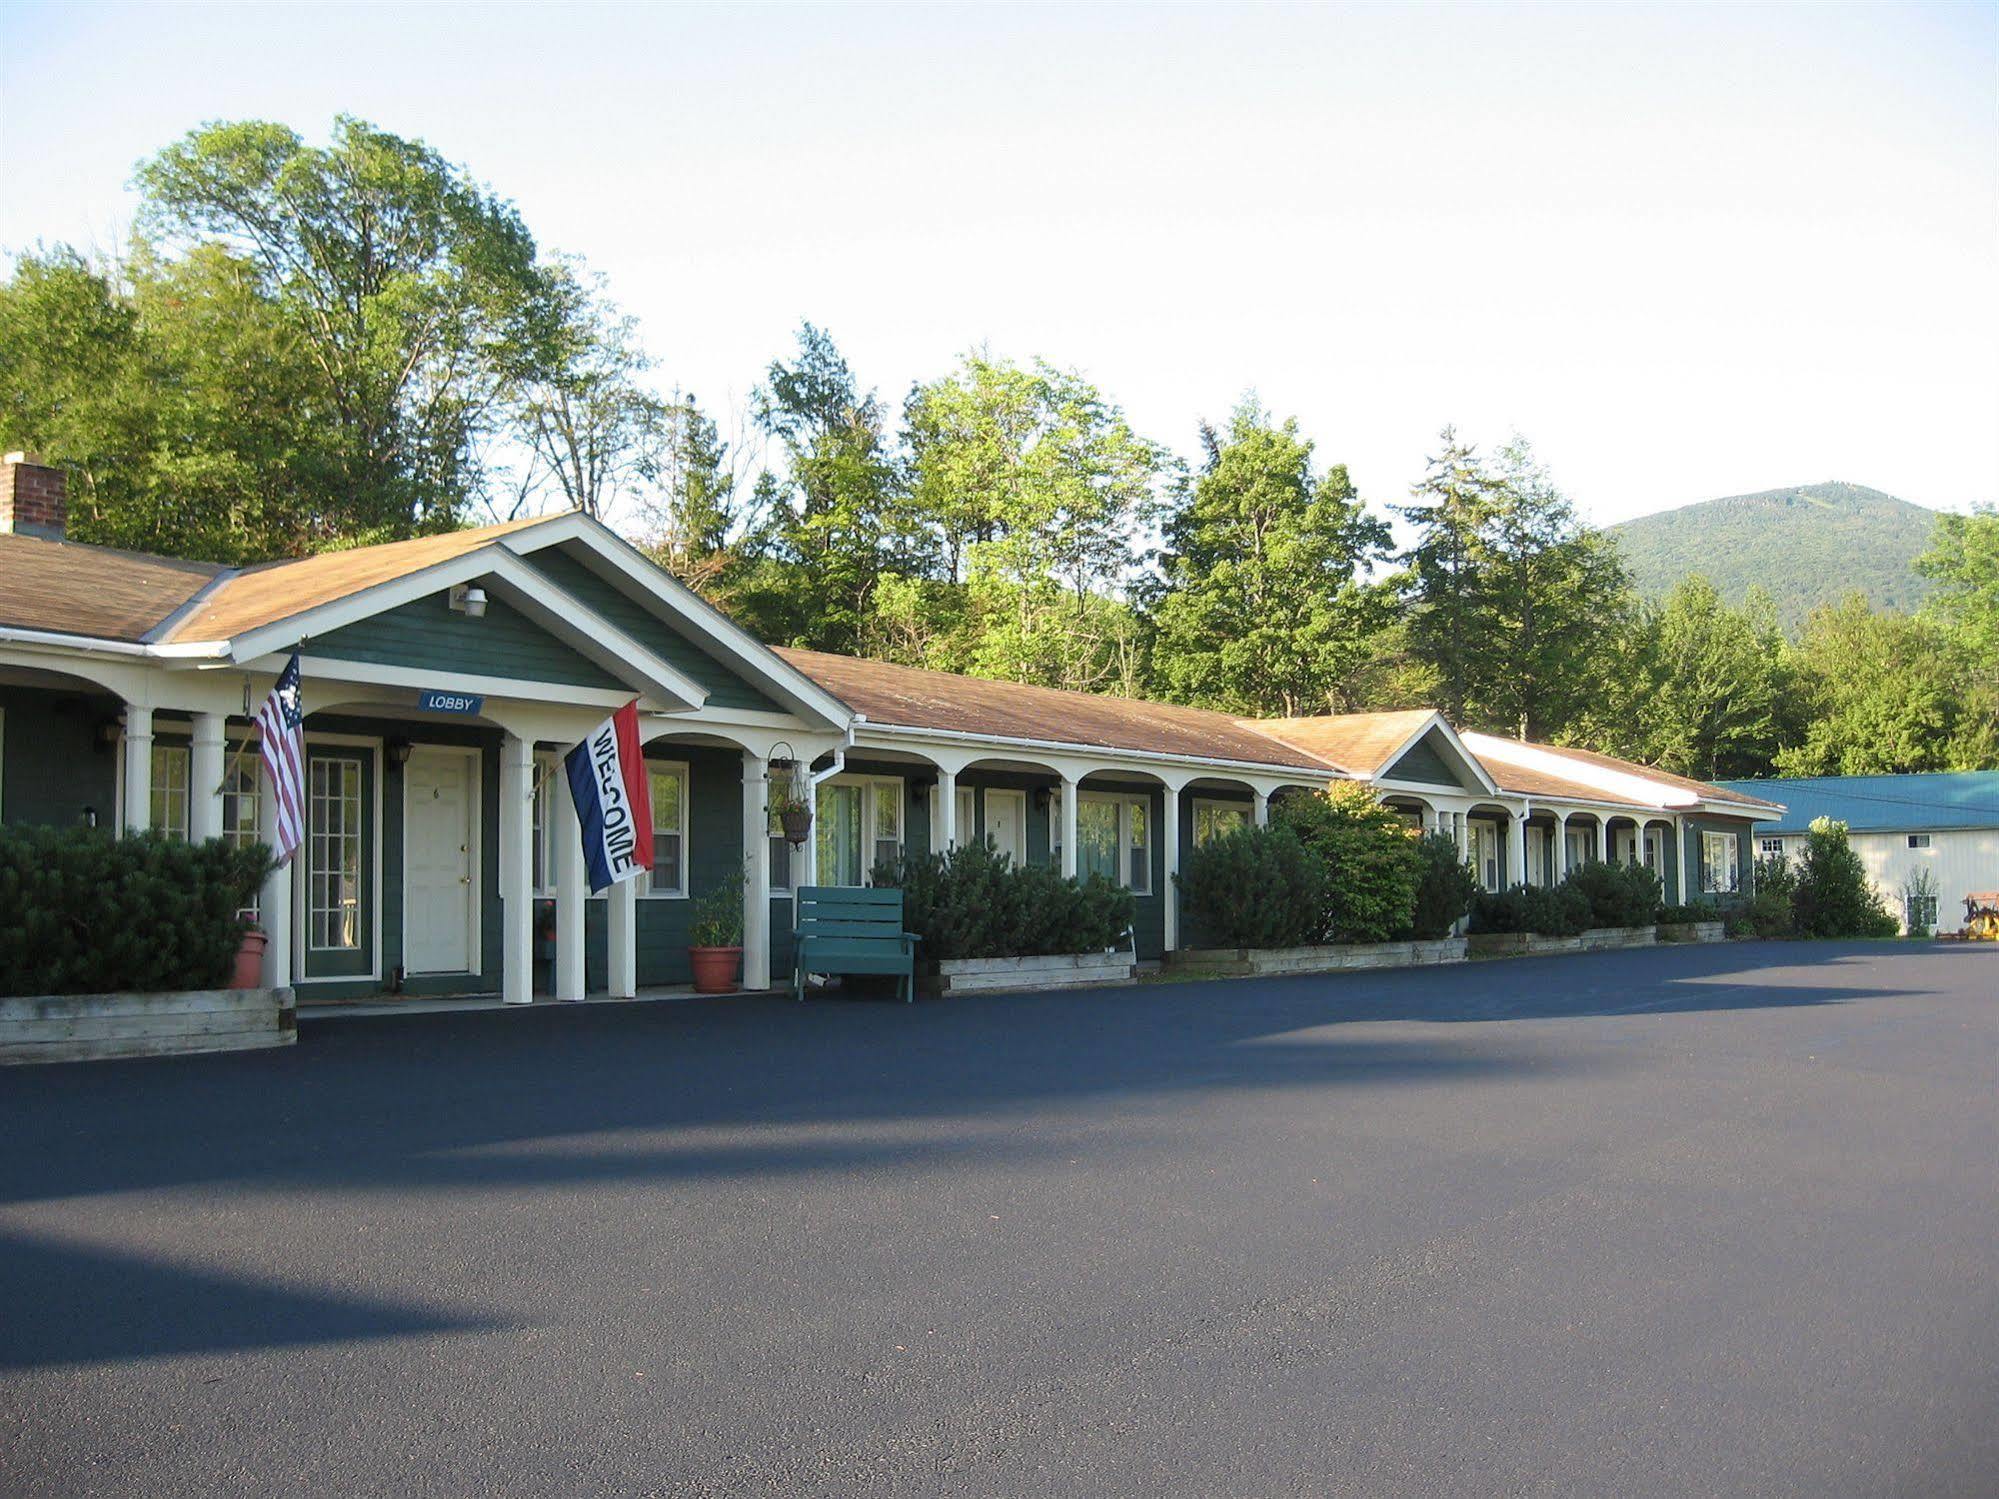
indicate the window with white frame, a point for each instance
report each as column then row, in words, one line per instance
column 856, row 825
column 1919, row 840
column 1772, row 848
column 169, row 805
column 967, row 815
column 783, row 877
column 333, row 863
column 242, row 775
column 1114, row 838
column 1213, row 819
column 1718, row 871
column 668, row 876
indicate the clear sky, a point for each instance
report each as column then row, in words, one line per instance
column 1687, row 252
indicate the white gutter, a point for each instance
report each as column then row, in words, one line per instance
column 92, row 643
column 1101, row 751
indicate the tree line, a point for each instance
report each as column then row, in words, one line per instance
column 308, row 347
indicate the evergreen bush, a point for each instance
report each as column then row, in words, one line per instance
column 1834, row 897
column 975, row 902
column 1560, row 912
column 1445, row 886
column 1617, row 894
column 1372, row 863
column 1771, row 909
column 82, row 912
column 1255, row 887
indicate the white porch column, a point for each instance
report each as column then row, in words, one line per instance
column 516, row 870
column 1561, row 847
column 1516, row 842
column 1461, row 830
column 138, row 768
column 1260, row 799
column 621, row 939
column 1678, row 864
column 1602, row 839
column 274, row 904
column 946, row 820
column 204, row 772
column 1068, row 823
column 1169, row 840
column 570, row 894
column 756, row 872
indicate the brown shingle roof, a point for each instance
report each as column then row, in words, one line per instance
column 73, row 589
column 1700, row 788
column 1359, row 742
column 273, row 591
column 909, row 697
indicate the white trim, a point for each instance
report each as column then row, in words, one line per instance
column 94, row 644
column 673, row 768
column 475, row 816
column 653, row 582
column 370, row 674
column 1101, row 757
column 1458, row 745
column 1734, row 857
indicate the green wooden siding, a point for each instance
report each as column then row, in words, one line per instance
column 725, row 688
column 51, row 764
column 429, row 634
column 1423, row 762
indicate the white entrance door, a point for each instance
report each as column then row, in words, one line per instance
column 1006, row 822
column 439, row 916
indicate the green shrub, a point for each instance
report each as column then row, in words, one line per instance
column 1372, row 865
column 1683, row 915
column 1560, row 912
column 718, row 915
column 1770, row 910
column 1445, row 886
column 1255, row 887
column 1833, row 897
column 82, row 912
column 975, row 902
column 1616, row 894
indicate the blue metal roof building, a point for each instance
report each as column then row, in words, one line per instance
column 1929, row 802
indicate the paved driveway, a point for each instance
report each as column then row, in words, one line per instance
column 1694, row 1220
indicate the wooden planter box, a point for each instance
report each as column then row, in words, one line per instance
column 85, row 1027
column 1692, row 931
column 1244, row 962
column 1533, row 945
column 1070, row 970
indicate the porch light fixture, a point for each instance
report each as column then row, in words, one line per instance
column 108, row 732
column 399, row 751
column 469, row 599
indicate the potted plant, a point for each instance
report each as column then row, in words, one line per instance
column 715, row 938
column 794, row 815
column 249, row 970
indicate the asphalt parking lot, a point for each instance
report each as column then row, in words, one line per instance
column 1693, row 1220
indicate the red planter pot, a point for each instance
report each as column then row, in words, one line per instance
column 715, row 968
column 249, row 972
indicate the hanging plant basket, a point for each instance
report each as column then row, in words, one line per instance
column 797, row 824
column 791, row 798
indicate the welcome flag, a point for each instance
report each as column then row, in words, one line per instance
column 607, row 781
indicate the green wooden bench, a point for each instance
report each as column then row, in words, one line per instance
column 841, row 929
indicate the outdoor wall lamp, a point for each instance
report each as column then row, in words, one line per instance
column 399, row 751
column 89, row 817
column 108, row 731
column 469, row 599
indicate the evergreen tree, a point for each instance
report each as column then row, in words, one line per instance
column 1716, row 700
column 1266, row 605
column 1451, row 510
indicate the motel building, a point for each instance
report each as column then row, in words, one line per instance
column 444, row 678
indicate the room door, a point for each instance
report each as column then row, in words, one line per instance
column 439, row 916
column 1006, row 822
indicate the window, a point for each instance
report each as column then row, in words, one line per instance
column 782, row 878
column 241, row 774
column 967, row 816
column 1718, row 873
column 1114, row 839
column 169, row 808
column 857, row 824
column 1772, row 848
column 1213, row 820
column 1921, row 911
column 1919, row 840
column 333, row 863
column 545, row 774
column 668, row 876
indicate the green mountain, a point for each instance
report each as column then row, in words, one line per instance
column 1807, row 546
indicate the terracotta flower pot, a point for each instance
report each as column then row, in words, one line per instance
column 715, row 968
column 249, row 973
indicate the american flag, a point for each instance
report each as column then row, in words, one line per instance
column 282, row 726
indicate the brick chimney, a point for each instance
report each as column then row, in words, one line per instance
column 34, row 498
